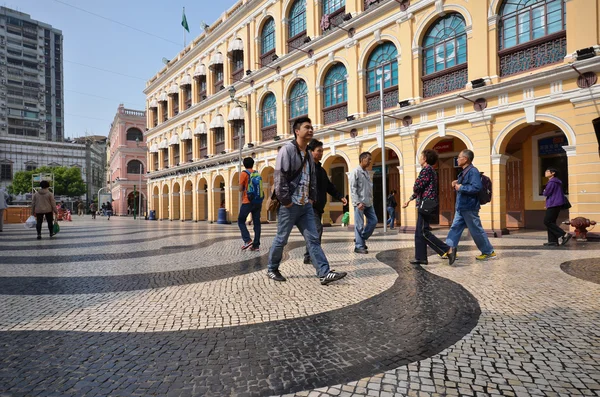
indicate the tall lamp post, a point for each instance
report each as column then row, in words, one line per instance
column 384, row 75
column 244, row 105
column 139, row 209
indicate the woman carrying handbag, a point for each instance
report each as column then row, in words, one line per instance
column 425, row 192
column 555, row 201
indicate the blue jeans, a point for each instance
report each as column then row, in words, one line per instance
column 469, row 219
column 303, row 217
column 246, row 209
column 362, row 232
column 391, row 216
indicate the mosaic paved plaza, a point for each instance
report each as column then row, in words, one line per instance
column 139, row 308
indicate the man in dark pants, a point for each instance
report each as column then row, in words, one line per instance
column 324, row 186
column 248, row 207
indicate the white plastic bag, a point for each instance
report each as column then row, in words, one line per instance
column 30, row 222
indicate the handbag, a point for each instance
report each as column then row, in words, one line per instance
column 427, row 207
column 55, row 228
column 273, row 203
column 566, row 205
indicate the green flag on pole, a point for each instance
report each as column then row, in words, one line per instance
column 184, row 21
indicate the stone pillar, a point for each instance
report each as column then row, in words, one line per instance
column 498, row 204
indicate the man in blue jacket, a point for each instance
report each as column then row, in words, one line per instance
column 467, row 188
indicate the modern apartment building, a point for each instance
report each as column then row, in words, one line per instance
column 514, row 81
column 31, row 78
column 31, row 97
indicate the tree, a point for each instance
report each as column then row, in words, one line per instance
column 67, row 181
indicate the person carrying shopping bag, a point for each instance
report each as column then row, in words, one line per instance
column 43, row 205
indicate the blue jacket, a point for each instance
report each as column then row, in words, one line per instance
column 467, row 196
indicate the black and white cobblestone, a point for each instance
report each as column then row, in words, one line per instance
column 197, row 317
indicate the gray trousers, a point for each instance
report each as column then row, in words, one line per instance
column 319, row 225
column 1, row 220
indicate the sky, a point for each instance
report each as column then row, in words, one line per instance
column 92, row 96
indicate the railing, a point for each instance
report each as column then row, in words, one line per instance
column 203, row 152
column 448, row 80
column 390, row 99
column 296, row 42
column 534, row 54
column 237, row 140
column 268, row 133
column 237, row 74
column 335, row 113
column 267, row 58
column 219, row 147
column 130, row 112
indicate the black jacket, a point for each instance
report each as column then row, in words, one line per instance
column 324, row 186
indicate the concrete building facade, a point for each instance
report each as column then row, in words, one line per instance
column 127, row 160
column 514, row 81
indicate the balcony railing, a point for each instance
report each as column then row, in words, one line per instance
column 390, row 99
column 267, row 58
column 237, row 75
column 335, row 113
column 219, row 147
column 534, row 54
column 448, row 80
column 268, row 133
column 296, row 42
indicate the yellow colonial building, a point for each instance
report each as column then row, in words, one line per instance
column 513, row 80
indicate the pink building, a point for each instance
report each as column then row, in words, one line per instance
column 126, row 152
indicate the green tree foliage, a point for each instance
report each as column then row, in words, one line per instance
column 67, row 181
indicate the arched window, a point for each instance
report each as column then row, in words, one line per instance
column 297, row 18
column 331, row 6
column 335, row 94
column 133, row 134
column 445, row 44
column 269, row 111
column 267, row 37
column 531, row 34
column 135, row 167
column 445, row 56
column 269, row 117
column 335, row 87
column 298, row 99
column 382, row 61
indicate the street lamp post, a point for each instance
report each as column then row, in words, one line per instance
column 384, row 75
column 139, row 207
column 244, row 105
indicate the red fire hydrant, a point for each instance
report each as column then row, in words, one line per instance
column 580, row 224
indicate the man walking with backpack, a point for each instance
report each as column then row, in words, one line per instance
column 296, row 190
column 252, row 198
column 468, row 188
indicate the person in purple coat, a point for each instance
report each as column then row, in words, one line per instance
column 555, row 199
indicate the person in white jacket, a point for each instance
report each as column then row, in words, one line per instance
column 3, row 205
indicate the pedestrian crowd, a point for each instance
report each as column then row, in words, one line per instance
column 300, row 193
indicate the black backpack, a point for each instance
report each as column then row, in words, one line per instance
column 485, row 194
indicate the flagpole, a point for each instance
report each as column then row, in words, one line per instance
column 183, row 29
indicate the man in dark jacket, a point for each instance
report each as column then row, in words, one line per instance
column 296, row 189
column 324, row 186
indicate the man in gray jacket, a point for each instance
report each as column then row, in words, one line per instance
column 361, row 190
column 296, row 190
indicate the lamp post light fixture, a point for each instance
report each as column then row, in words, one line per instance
column 232, row 92
column 384, row 75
